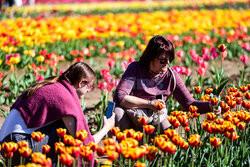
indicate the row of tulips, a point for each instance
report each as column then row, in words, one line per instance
column 217, row 140
column 103, row 7
column 28, row 32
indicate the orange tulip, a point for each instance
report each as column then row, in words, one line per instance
column 87, row 153
column 193, row 109
column 151, row 153
column 214, row 141
column 159, row 105
column 222, row 47
column 61, row 132
column 230, row 128
column 143, row 121
column 194, row 115
column 197, row 89
column 45, row 149
column 149, row 129
column 37, row 136
column 205, row 97
column 115, row 130
column 59, row 147
column 168, row 147
column 211, row 116
column 170, row 133
column 39, row 158
column 109, row 141
column 184, row 145
column 110, row 147
column 69, row 140
column 120, row 136
column 233, row 89
column 209, row 91
column 194, row 140
column 159, row 140
column 232, row 103
column 219, row 121
column 238, row 100
column 176, row 140
column 235, row 121
column 25, row 152
column 138, row 136
column 224, row 107
column 112, row 155
column 140, row 164
column 23, row 143
column 129, row 132
column 66, row 159
column 81, row 135
column 183, row 119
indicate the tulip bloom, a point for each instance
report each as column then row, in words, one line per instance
column 174, row 121
column 74, row 151
column 187, row 128
column 25, row 152
column 243, row 89
column 241, row 125
column 37, row 136
column 149, row 129
column 23, row 143
column 168, row 147
column 247, row 95
column 151, row 153
column 193, row 109
column 100, row 151
column 45, row 149
column 69, row 140
column 211, row 116
column 59, row 147
column 232, row 135
column 143, row 121
column 61, row 132
column 112, row 155
column 8, row 147
column 140, row 164
column 109, row 141
column 214, row 101
column 170, row 133
column 197, row 89
column 194, row 140
column 159, row 105
column 222, row 47
column 66, row 159
column 209, row 91
column 81, row 135
column 87, row 153
column 214, row 141
column 39, row 158
column 115, row 130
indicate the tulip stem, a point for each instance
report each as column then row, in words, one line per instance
column 193, row 156
column 21, row 160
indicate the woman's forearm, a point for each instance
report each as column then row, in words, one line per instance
column 135, row 102
column 100, row 134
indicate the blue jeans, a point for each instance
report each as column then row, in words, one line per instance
column 49, row 139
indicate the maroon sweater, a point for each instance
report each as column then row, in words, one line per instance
column 50, row 103
column 137, row 81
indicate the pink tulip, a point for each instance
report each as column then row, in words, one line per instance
column 180, row 53
column 205, row 51
column 244, row 59
column 206, row 57
column 246, row 46
column 111, row 63
column 201, row 71
column 39, row 78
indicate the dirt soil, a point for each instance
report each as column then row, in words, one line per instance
column 231, row 68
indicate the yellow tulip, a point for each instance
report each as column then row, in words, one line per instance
column 40, row 58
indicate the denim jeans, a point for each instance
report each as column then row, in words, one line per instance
column 50, row 138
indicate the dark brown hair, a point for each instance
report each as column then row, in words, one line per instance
column 157, row 46
column 74, row 74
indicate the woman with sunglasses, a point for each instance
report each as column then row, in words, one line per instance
column 148, row 78
column 51, row 104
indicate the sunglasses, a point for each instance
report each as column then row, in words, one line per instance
column 164, row 60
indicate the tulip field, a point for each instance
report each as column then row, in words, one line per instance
column 212, row 47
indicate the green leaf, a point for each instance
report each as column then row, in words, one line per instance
column 217, row 92
column 5, row 114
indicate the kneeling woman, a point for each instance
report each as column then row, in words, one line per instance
column 51, row 104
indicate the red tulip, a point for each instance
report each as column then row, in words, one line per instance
column 109, row 141
column 222, row 47
column 197, row 89
column 187, row 128
column 214, row 101
column 69, row 140
column 149, row 129
column 23, row 143
column 8, row 147
column 143, row 121
column 247, row 95
column 241, row 125
column 243, row 89
column 168, row 147
column 45, row 149
column 232, row 135
column 208, row 90
column 215, row 141
column 100, row 151
column 170, row 133
column 112, row 155
column 211, row 116
column 86, row 153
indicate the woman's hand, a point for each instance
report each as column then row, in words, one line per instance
column 217, row 111
column 109, row 123
column 153, row 104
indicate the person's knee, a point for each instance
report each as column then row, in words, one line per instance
column 119, row 113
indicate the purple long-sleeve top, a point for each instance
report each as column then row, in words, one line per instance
column 137, row 81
